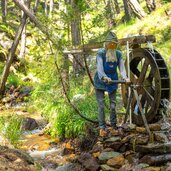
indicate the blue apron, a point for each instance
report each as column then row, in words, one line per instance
column 110, row 69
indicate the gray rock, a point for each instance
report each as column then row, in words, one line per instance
column 113, row 139
column 89, row 162
column 104, row 156
column 160, row 137
column 66, row 167
column 29, row 124
column 105, row 167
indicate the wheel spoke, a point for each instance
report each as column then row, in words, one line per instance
column 148, row 96
column 143, row 72
column 133, row 77
column 151, row 75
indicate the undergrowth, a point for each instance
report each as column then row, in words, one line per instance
column 10, row 128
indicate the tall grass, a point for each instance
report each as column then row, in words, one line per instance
column 10, row 128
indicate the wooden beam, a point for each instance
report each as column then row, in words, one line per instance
column 88, row 48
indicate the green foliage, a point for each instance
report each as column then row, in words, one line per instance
column 1, row 67
column 7, row 29
column 13, row 79
column 66, row 124
column 65, row 121
column 10, row 128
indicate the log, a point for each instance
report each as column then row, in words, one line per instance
column 153, row 160
column 154, row 148
column 94, row 47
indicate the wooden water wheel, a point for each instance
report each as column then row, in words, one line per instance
column 149, row 73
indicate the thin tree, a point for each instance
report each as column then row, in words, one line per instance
column 151, row 5
column 36, row 6
column 117, row 8
column 110, row 14
column 51, row 6
column 23, row 41
column 46, row 7
column 127, row 10
column 4, row 10
column 11, row 55
column 75, row 36
column 136, row 9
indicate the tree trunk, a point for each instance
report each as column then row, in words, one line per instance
column 136, row 9
column 23, row 41
column 51, row 6
column 11, row 55
column 127, row 16
column 36, row 6
column 76, row 38
column 4, row 10
column 117, row 8
column 65, row 72
column 110, row 14
column 151, row 6
column 46, row 8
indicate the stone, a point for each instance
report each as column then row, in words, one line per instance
column 107, row 150
column 127, row 138
column 133, row 167
column 114, row 145
column 67, row 151
column 29, row 124
column 132, row 126
column 66, row 167
column 96, row 155
column 154, row 148
column 116, row 161
column 167, row 168
column 131, row 156
column 155, row 127
column 105, row 167
column 140, row 139
column 78, row 97
column 97, row 147
column 160, row 137
column 104, row 156
column 15, row 159
column 89, row 162
column 113, row 139
column 156, row 159
column 140, row 129
column 113, row 132
column 151, row 169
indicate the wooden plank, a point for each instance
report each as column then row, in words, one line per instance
column 88, row 48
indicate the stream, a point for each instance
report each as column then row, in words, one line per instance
column 48, row 151
column 45, row 150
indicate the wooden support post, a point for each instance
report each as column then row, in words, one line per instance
column 142, row 112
